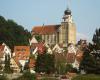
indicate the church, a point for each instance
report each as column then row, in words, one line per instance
column 63, row 33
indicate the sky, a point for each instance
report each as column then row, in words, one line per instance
column 29, row 13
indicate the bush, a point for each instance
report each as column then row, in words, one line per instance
column 3, row 77
column 27, row 76
column 48, row 79
column 87, row 77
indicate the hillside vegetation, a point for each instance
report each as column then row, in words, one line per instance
column 13, row 34
column 87, row 77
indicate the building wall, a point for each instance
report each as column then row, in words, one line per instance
column 67, row 33
column 63, row 33
column 71, row 33
column 50, row 38
column 14, row 66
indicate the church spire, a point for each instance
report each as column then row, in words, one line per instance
column 68, row 4
column 67, row 13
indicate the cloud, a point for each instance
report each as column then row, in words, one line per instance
column 81, row 36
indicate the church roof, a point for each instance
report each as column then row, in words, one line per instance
column 46, row 29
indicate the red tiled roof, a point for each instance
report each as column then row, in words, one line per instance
column 47, row 29
column 22, row 52
column 34, row 45
column 40, row 46
column 22, row 48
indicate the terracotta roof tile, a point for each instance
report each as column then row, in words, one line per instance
column 47, row 29
column 22, row 52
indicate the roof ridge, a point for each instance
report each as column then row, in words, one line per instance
column 48, row 25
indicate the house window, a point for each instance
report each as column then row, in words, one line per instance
column 23, row 50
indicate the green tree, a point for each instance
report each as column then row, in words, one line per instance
column 60, row 63
column 13, row 34
column 88, row 62
column 45, row 63
column 26, row 76
column 69, row 68
column 0, row 67
column 38, row 38
column 91, row 56
column 61, row 68
column 96, row 39
column 91, row 61
column 3, row 77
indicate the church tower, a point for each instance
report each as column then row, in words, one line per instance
column 63, row 33
column 67, row 31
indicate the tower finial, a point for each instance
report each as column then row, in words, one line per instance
column 68, row 4
column 68, row 11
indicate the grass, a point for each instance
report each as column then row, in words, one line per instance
column 87, row 77
column 48, row 79
column 3, row 77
